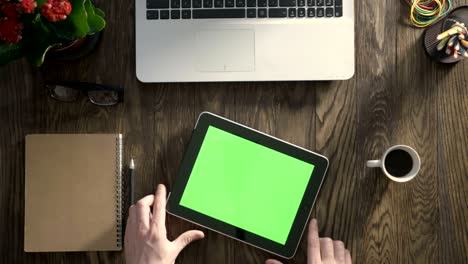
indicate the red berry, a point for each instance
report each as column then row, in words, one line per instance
column 28, row 6
column 10, row 30
column 56, row 10
column 10, row 10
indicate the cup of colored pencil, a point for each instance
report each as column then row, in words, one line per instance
column 447, row 40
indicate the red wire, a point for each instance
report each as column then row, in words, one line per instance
column 428, row 7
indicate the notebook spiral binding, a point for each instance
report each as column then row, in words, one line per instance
column 118, row 181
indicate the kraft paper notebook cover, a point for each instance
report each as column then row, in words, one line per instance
column 73, row 198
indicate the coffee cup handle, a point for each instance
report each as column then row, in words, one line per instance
column 374, row 163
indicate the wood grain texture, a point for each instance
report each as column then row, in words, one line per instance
column 376, row 219
column 419, row 225
column 452, row 159
column 398, row 96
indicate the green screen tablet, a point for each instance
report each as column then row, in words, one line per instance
column 247, row 185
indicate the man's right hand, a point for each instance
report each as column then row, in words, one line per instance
column 322, row 250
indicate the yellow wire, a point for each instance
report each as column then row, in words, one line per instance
column 437, row 12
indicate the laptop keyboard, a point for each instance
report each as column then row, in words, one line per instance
column 205, row 9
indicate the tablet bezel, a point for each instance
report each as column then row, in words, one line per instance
column 320, row 163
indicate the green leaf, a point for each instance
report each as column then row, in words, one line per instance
column 64, row 29
column 41, row 40
column 37, row 59
column 79, row 18
column 96, row 23
column 99, row 12
column 9, row 52
column 40, row 2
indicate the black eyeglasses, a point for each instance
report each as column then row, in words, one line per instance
column 98, row 94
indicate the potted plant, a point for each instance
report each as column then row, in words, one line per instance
column 31, row 28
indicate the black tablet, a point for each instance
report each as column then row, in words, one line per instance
column 247, row 185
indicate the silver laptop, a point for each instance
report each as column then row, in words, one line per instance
column 244, row 40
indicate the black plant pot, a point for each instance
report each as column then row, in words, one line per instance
column 75, row 49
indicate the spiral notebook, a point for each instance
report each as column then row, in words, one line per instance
column 73, row 193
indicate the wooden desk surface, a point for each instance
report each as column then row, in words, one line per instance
column 397, row 96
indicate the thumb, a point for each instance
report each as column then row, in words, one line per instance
column 188, row 237
column 273, row 261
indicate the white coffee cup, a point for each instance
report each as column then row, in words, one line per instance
column 416, row 163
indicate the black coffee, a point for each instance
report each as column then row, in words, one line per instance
column 398, row 163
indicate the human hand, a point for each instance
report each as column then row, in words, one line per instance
column 145, row 237
column 322, row 250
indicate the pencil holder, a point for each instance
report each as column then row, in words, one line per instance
column 447, row 40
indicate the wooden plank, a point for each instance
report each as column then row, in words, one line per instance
column 17, row 105
column 418, row 200
column 451, row 87
column 375, row 214
column 426, row 114
column 336, row 115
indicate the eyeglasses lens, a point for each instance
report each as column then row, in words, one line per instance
column 63, row 93
column 104, row 98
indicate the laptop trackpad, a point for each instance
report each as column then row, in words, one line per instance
column 225, row 50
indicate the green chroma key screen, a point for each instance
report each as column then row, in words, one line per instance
column 247, row 185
